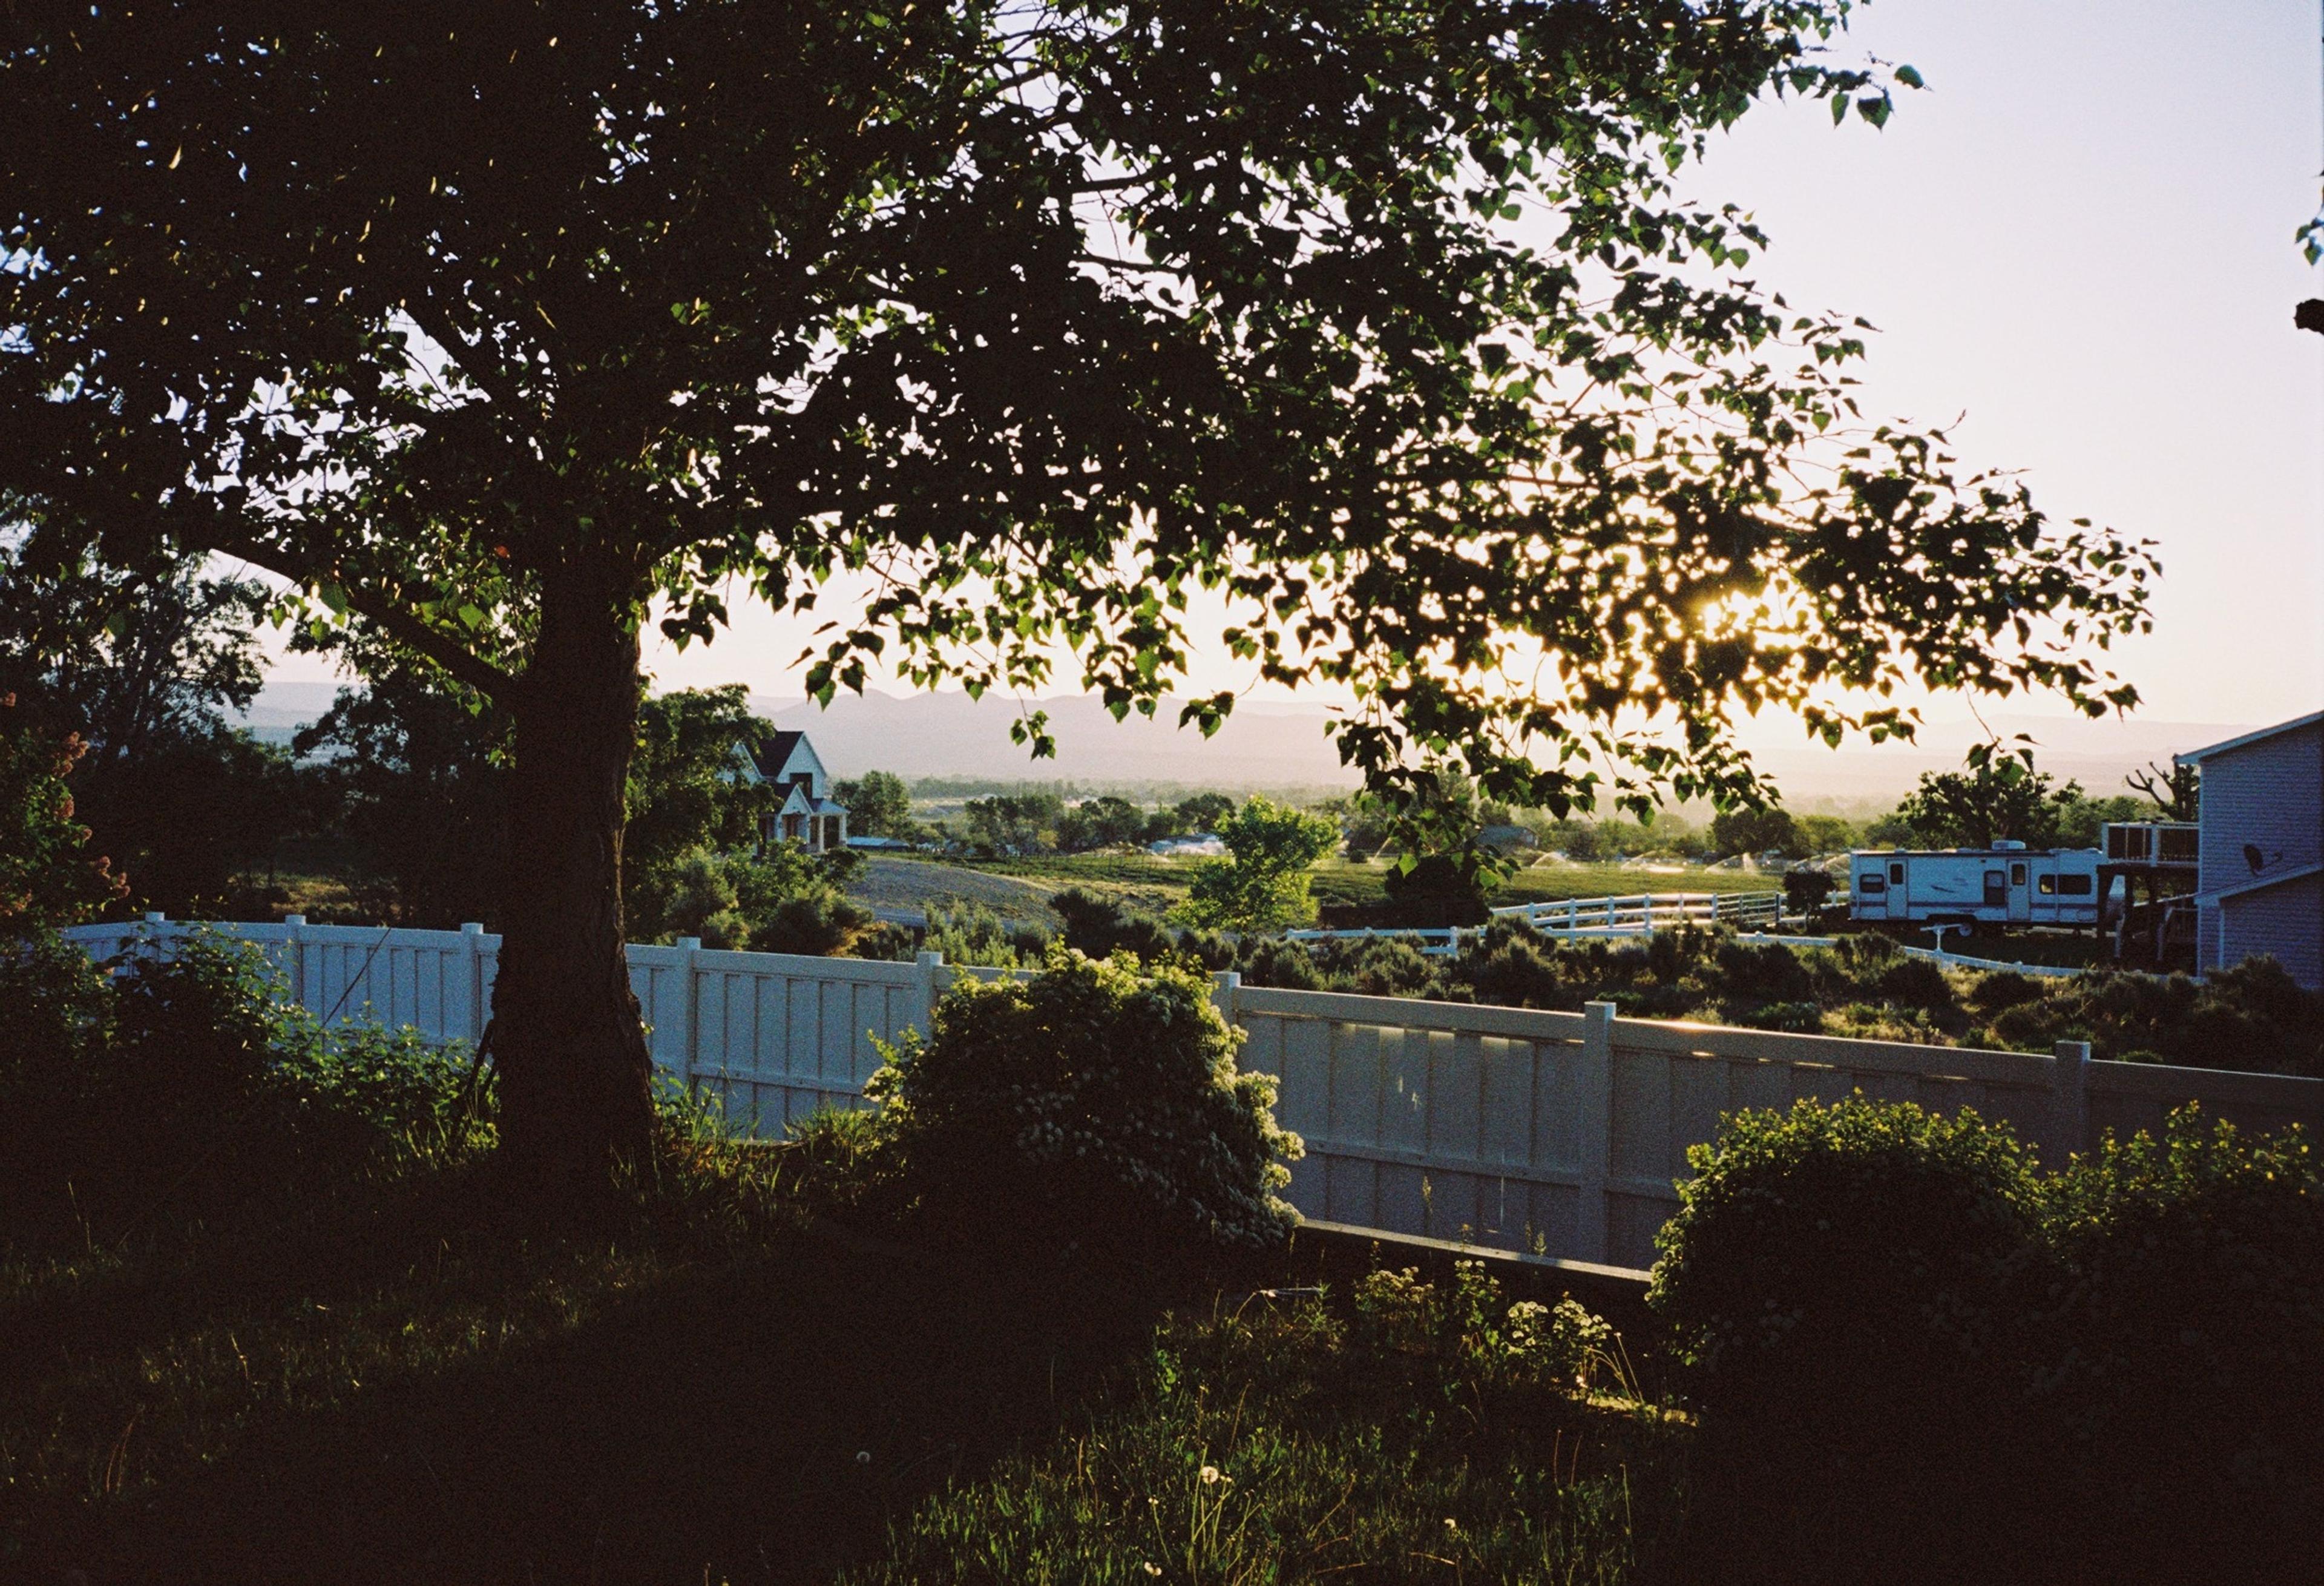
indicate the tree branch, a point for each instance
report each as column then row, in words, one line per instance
column 471, row 362
column 399, row 624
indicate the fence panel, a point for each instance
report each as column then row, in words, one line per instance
column 1421, row 1118
column 1561, row 1133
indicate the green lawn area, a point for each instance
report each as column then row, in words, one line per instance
column 401, row 1380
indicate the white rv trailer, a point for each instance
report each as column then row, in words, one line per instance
column 2004, row 885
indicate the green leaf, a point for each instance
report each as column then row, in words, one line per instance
column 1910, row 77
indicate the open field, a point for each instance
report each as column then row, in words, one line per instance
column 1152, row 885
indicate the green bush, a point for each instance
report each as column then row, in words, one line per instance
column 2192, row 1330
column 185, row 1080
column 1916, row 982
column 1917, row 1362
column 971, row 934
column 1473, row 1338
column 1091, row 1115
column 1833, row 1262
column 1796, row 1018
column 2003, row 988
column 1768, row 971
column 1098, row 927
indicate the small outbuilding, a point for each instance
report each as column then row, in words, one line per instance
column 2260, row 865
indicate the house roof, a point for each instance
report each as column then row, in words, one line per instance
column 774, row 753
column 2260, row 884
column 2195, row 756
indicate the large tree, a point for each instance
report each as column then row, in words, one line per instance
column 494, row 324
column 1996, row 796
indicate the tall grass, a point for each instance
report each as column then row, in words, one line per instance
column 1264, row 1443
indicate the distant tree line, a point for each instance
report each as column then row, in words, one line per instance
column 397, row 794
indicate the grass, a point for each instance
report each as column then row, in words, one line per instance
column 1260, row 1444
column 283, row 1320
column 400, row 1382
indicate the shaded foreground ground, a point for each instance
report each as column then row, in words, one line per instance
column 491, row 1405
column 393, row 1380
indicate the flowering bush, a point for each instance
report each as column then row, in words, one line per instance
column 1473, row 1338
column 1092, row 1114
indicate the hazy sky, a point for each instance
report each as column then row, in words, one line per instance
column 2077, row 240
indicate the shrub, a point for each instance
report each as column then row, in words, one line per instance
column 1090, row 1115
column 970, row 933
column 2003, row 988
column 1098, row 926
column 1833, row 1256
column 1797, row 1019
column 1918, row 1363
column 1806, row 891
column 2192, row 1330
column 1514, row 968
column 1916, row 982
column 1473, row 1338
column 185, row 1082
column 783, row 901
column 57, row 1008
column 1768, row 973
column 1287, row 965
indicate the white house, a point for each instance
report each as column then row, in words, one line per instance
column 787, row 762
column 2260, row 871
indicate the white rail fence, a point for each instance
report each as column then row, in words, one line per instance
column 1646, row 912
column 1563, row 1134
column 1575, row 918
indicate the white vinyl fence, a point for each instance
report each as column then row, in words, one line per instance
column 1559, row 1133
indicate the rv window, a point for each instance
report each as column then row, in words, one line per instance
column 2016, row 875
column 1897, row 872
column 1871, row 886
column 2074, row 886
column 2047, row 886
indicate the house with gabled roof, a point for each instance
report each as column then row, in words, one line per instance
column 788, row 763
column 2260, row 866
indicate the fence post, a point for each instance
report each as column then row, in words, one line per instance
column 294, row 956
column 931, row 968
column 472, row 937
column 2070, row 1089
column 1224, row 984
column 687, row 946
column 1594, row 1115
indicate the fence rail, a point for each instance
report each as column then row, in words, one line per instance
column 1561, row 1133
column 1575, row 918
column 1646, row 912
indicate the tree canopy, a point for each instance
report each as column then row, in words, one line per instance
column 507, row 330
column 1046, row 314
column 1994, row 797
column 143, row 664
column 1262, row 885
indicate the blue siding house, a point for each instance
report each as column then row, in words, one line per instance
column 2260, row 876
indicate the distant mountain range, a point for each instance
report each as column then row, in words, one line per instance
column 1281, row 744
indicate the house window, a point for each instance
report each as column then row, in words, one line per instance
column 2016, row 875
column 2074, row 886
column 1871, row 886
column 1896, row 874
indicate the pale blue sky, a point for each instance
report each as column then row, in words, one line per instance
column 2078, row 239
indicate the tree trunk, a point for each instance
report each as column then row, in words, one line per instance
column 575, row 1076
